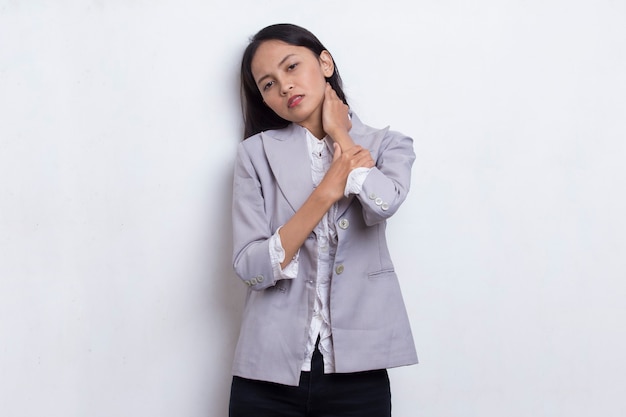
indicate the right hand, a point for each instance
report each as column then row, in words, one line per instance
column 334, row 182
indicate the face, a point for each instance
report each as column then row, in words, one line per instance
column 292, row 81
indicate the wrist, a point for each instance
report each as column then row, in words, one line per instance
column 342, row 138
column 326, row 195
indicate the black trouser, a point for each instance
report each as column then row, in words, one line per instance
column 361, row 394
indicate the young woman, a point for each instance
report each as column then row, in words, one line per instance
column 313, row 187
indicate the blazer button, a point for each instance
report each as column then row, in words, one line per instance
column 372, row 196
column 378, row 201
column 344, row 223
column 339, row 269
column 384, row 206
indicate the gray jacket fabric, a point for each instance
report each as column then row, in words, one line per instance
column 370, row 326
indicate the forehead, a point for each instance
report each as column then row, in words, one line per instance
column 270, row 53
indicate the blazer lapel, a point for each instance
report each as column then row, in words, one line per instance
column 286, row 151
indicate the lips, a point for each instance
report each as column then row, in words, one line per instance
column 294, row 101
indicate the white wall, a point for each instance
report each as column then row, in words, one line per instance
column 118, row 126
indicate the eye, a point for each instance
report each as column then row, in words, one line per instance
column 268, row 85
column 292, row 66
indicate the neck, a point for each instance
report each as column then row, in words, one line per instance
column 316, row 130
column 320, row 134
column 314, row 124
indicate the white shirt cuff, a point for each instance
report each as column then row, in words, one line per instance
column 277, row 256
column 355, row 181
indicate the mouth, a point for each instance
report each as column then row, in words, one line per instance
column 294, row 101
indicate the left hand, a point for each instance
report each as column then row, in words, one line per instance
column 335, row 120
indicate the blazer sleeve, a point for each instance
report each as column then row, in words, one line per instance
column 251, row 229
column 387, row 184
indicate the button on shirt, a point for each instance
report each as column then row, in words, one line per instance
column 321, row 156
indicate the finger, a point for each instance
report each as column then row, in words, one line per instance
column 352, row 150
column 364, row 160
column 368, row 163
column 330, row 91
column 360, row 152
column 357, row 149
column 326, row 96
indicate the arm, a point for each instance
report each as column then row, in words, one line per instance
column 387, row 184
column 347, row 156
column 251, row 229
column 297, row 229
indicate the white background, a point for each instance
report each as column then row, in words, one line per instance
column 118, row 126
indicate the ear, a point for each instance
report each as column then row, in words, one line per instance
column 327, row 63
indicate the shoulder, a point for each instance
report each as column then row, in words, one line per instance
column 274, row 144
column 278, row 134
column 251, row 147
column 271, row 146
column 251, row 142
column 369, row 136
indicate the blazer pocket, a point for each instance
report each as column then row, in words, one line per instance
column 383, row 273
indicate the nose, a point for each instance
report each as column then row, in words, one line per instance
column 286, row 87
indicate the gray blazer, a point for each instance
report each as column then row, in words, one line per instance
column 370, row 327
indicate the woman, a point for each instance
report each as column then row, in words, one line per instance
column 313, row 187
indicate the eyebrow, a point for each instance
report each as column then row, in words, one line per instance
column 282, row 61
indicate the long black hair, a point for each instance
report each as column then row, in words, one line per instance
column 256, row 115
